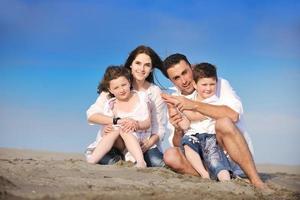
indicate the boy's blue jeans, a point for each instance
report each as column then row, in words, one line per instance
column 211, row 153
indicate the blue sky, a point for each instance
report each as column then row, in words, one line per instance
column 53, row 53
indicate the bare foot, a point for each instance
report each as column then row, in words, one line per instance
column 141, row 164
column 259, row 185
column 204, row 175
column 224, row 175
column 263, row 188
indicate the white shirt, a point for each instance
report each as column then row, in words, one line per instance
column 140, row 112
column 206, row 125
column 228, row 97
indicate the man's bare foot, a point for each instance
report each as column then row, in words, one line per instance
column 259, row 185
column 263, row 188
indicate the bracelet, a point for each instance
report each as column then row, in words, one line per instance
column 115, row 120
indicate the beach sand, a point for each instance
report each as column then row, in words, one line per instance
column 28, row 174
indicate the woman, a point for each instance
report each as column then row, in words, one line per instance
column 141, row 62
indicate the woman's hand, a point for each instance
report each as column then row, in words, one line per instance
column 107, row 129
column 145, row 145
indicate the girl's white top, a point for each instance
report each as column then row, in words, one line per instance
column 140, row 112
column 158, row 110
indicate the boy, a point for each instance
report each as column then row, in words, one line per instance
column 199, row 141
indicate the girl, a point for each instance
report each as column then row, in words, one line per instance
column 128, row 114
column 141, row 62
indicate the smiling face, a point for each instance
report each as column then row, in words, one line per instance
column 120, row 88
column 182, row 77
column 141, row 67
column 206, row 87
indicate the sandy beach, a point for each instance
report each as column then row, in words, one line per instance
column 28, row 174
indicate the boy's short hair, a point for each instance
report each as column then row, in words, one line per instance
column 173, row 60
column 204, row 70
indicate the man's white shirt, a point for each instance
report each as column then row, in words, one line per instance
column 227, row 96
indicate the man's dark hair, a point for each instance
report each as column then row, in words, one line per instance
column 173, row 60
column 204, row 70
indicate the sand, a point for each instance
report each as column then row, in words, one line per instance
column 27, row 174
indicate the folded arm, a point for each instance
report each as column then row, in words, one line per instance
column 213, row 111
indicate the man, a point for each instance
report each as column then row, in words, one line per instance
column 178, row 70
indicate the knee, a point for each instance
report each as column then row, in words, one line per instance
column 225, row 127
column 172, row 158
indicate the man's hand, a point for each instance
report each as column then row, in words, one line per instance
column 180, row 102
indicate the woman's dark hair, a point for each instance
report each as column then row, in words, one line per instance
column 112, row 72
column 155, row 59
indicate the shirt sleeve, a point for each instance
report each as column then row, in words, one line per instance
column 229, row 97
column 158, row 110
column 98, row 106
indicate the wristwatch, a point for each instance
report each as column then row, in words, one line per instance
column 115, row 120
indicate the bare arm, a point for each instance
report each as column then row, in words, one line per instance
column 178, row 134
column 216, row 111
column 100, row 119
column 213, row 111
column 184, row 123
column 194, row 116
column 175, row 119
column 95, row 112
column 147, row 143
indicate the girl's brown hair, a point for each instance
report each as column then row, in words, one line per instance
column 111, row 73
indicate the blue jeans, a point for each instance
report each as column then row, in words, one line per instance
column 211, row 153
column 154, row 158
column 112, row 157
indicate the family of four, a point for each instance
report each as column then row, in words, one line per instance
column 204, row 115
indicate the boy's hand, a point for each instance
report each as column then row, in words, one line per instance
column 174, row 116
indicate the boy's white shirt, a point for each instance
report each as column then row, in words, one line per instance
column 207, row 125
column 227, row 96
